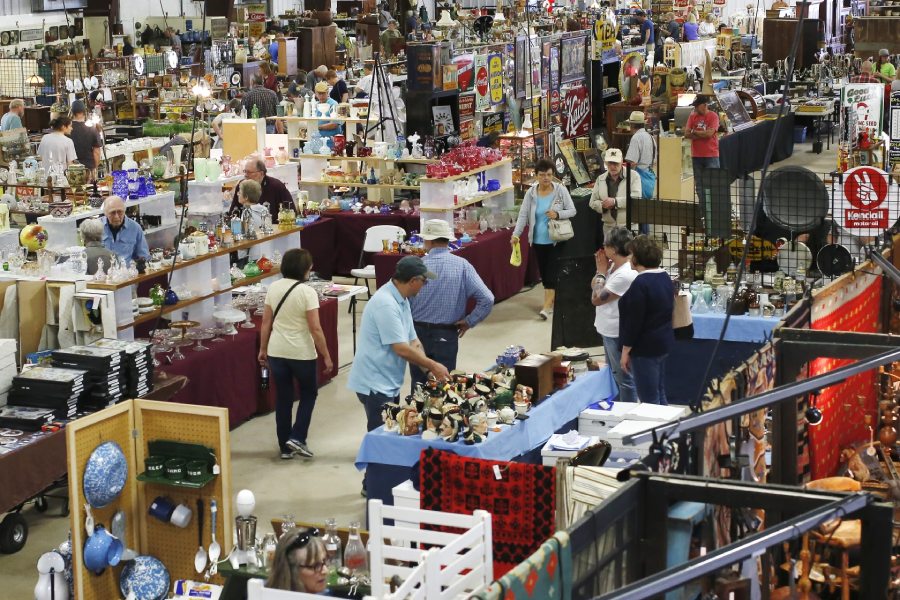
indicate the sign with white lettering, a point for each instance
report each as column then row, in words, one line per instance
column 865, row 103
column 576, row 112
column 865, row 208
column 482, row 87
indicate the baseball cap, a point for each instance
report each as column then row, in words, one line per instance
column 437, row 229
column 412, row 266
column 700, row 99
column 321, row 87
column 613, row 155
column 884, row 52
column 78, row 107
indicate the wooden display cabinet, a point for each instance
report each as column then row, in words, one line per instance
column 524, row 151
column 287, row 56
column 676, row 173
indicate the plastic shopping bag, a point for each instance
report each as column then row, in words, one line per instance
column 515, row 258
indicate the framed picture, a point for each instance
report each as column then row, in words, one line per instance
column 574, row 162
column 862, row 159
column 443, row 120
column 53, row 33
column 593, row 161
column 573, row 53
column 521, row 65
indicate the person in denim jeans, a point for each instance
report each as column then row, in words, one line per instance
column 291, row 340
column 702, row 129
column 613, row 278
column 388, row 341
column 645, row 322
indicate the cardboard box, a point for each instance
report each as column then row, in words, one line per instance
column 549, row 455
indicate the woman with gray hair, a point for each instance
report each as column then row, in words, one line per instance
column 92, row 237
column 613, row 278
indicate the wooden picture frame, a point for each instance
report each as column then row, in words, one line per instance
column 573, row 57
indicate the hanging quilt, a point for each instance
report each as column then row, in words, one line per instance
column 522, row 501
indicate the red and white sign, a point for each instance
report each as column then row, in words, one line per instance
column 554, row 102
column 482, row 85
column 576, row 112
column 466, row 106
column 865, row 207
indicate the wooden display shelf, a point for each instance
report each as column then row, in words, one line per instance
column 470, row 201
column 151, row 316
column 377, row 186
column 466, row 173
column 370, row 159
column 244, row 245
column 356, row 120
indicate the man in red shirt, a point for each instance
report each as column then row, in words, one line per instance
column 702, row 129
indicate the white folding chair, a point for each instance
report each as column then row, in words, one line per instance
column 375, row 236
column 256, row 590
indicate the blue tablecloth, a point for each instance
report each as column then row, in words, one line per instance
column 741, row 328
column 544, row 420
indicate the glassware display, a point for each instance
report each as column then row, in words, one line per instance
column 355, row 556
column 333, row 550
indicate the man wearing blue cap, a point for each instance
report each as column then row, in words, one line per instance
column 388, row 341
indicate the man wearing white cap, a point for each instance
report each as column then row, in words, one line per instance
column 612, row 191
column 439, row 309
column 642, row 153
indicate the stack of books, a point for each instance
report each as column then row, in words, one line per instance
column 104, row 382
column 51, row 388
column 137, row 364
column 7, row 367
column 27, row 418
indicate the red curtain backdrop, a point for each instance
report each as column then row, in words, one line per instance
column 854, row 307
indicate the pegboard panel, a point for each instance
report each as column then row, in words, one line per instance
column 82, row 436
column 204, row 425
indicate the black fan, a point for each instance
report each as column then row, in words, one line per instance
column 834, row 260
column 482, row 25
column 795, row 198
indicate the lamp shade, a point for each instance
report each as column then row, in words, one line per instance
column 35, row 79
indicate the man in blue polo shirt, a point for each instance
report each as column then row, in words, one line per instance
column 122, row 235
column 387, row 341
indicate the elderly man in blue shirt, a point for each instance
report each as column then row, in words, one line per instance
column 122, row 235
column 439, row 310
column 387, row 341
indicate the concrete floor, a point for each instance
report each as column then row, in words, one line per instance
column 329, row 485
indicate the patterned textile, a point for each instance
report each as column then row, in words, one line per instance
column 545, row 575
column 855, row 306
column 522, row 502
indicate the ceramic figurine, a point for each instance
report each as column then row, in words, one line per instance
column 473, row 438
column 855, row 464
column 478, row 423
column 409, row 421
column 523, row 394
column 433, row 420
column 449, row 431
column 507, row 415
column 388, row 415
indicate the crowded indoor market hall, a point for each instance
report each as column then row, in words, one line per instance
column 450, row 299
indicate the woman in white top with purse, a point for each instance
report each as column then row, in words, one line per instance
column 291, row 340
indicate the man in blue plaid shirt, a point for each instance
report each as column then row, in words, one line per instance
column 439, row 309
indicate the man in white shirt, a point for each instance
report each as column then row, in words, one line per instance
column 613, row 278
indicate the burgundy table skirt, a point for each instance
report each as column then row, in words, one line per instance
column 350, row 234
column 318, row 238
column 228, row 374
column 489, row 253
column 32, row 468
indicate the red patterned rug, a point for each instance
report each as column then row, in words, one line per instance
column 522, row 502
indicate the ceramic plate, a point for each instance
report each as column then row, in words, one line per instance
column 95, row 83
column 105, row 474
column 78, row 85
column 147, row 577
column 4, row 38
column 235, row 79
column 70, row 87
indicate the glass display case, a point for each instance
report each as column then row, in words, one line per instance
column 525, row 149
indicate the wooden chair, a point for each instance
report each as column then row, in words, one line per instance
column 844, row 535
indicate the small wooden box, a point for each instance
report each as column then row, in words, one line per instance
column 536, row 371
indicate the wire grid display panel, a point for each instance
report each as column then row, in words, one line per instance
column 187, row 423
column 114, row 424
column 14, row 73
column 70, row 68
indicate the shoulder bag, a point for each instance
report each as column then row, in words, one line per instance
column 283, row 298
column 560, row 229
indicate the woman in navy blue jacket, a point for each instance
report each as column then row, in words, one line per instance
column 645, row 322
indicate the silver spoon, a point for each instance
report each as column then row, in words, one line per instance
column 200, row 557
column 214, row 548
